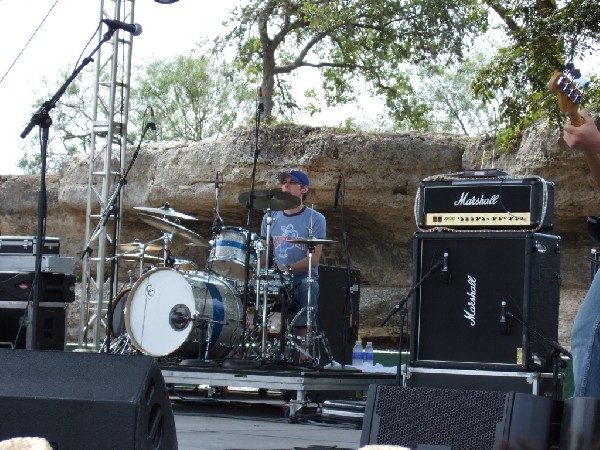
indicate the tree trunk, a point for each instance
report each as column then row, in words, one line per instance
column 268, row 82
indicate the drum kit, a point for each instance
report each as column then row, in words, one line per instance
column 171, row 309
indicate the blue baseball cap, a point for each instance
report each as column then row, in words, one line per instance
column 296, row 175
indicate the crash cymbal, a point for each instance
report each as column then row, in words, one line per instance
column 137, row 245
column 273, row 199
column 165, row 210
column 172, row 227
column 310, row 241
column 138, row 257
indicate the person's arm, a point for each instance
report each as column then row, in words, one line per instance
column 587, row 139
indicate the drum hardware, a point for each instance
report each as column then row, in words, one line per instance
column 275, row 200
column 174, row 229
column 311, row 330
column 165, row 210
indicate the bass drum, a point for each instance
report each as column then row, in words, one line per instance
column 169, row 312
column 118, row 307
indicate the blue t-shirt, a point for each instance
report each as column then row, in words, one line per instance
column 284, row 226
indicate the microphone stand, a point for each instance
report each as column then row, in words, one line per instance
column 352, row 318
column 557, row 350
column 113, row 208
column 400, row 308
column 43, row 120
column 250, row 205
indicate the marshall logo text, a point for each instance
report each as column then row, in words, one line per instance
column 465, row 200
column 472, row 295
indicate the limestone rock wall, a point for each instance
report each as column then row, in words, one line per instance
column 381, row 172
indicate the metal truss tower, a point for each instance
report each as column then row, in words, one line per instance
column 107, row 160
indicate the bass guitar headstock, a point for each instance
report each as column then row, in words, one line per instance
column 569, row 87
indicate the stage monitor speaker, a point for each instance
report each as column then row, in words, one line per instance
column 457, row 308
column 85, row 400
column 580, row 428
column 332, row 301
column 452, row 419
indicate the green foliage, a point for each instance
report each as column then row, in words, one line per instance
column 540, row 36
column 194, row 97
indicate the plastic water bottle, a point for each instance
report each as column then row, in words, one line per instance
column 369, row 354
column 357, row 354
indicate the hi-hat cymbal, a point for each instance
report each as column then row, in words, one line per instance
column 137, row 245
column 272, row 199
column 165, row 210
column 172, row 227
column 310, row 241
column 138, row 257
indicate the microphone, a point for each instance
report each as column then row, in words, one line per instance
column 152, row 123
column 338, row 186
column 504, row 327
column 445, row 271
column 133, row 28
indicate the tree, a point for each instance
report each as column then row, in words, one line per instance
column 194, row 97
column 69, row 133
column 347, row 39
column 454, row 105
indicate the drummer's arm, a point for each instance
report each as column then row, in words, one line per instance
column 302, row 265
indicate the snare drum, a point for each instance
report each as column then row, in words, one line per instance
column 169, row 311
column 228, row 255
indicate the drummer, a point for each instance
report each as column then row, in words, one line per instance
column 298, row 222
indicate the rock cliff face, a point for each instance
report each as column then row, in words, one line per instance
column 381, row 176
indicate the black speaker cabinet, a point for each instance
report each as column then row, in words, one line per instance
column 451, row 419
column 51, row 326
column 85, row 400
column 332, row 305
column 457, row 308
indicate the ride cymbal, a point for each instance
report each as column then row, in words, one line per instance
column 270, row 199
column 165, row 210
column 172, row 227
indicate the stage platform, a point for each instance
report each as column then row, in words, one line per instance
column 308, row 384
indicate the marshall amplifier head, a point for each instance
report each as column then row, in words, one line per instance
column 498, row 203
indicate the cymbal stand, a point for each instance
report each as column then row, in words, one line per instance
column 269, row 220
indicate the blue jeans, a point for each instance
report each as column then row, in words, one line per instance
column 300, row 294
column 585, row 344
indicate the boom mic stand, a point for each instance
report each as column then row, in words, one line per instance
column 113, row 208
column 400, row 307
column 557, row 350
column 352, row 320
column 250, row 205
column 43, row 120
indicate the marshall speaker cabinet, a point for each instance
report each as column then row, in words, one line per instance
column 457, row 309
